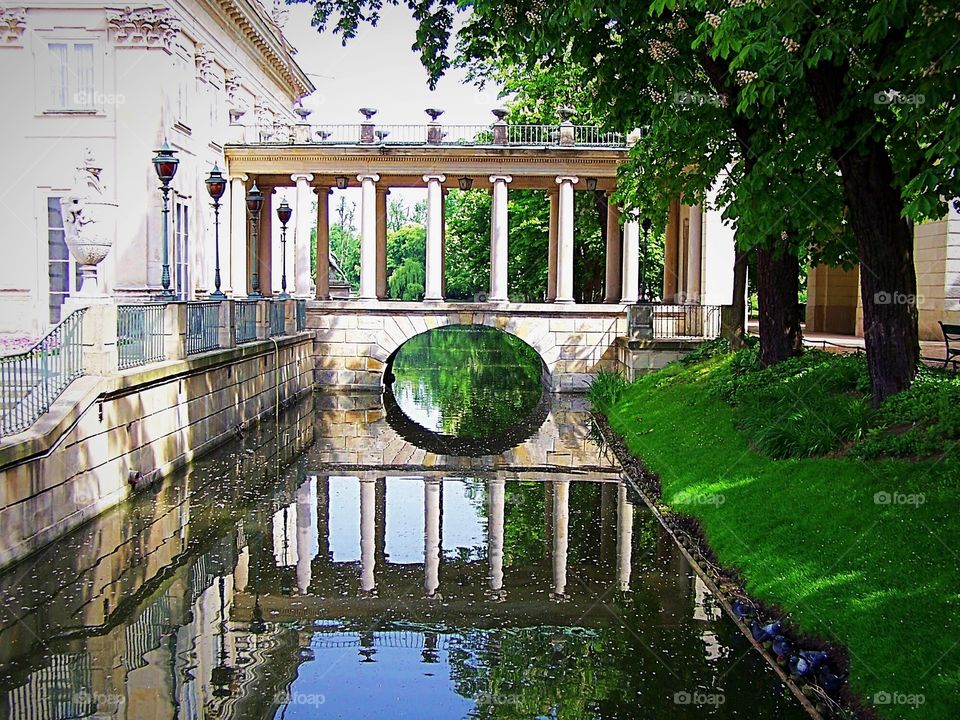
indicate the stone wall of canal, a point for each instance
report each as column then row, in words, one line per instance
column 141, row 424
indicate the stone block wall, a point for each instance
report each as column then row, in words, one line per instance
column 355, row 339
column 149, row 421
column 639, row 357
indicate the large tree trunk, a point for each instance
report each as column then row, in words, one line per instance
column 888, row 277
column 778, row 283
column 733, row 320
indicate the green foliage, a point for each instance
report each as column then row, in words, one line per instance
column 707, row 351
column 406, row 261
column 468, row 244
column 605, row 390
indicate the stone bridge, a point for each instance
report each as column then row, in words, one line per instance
column 355, row 339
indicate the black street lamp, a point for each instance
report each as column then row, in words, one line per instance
column 646, row 224
column 165, row 162
column 216, row 186
column 283, row 213
column 254, row 203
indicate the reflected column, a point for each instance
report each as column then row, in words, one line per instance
column 368, row 534
column 495, row 498
column 323, row 517
column 431, row 534
column 561, row 537
column 624, row 538
column 305, row 544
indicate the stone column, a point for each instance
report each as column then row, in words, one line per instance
column 368, row 236
column 431, row 533
column 565, row 240
column 301, row 235
column 265, row 243
column 382, row 193
column 561, row 537
column 499, row 232
column 671, row 250
column 554, row 194
column 631, row 260
column 613, row 285
column 495, row 498
column 694, row 252
column 368, row 534
column 239, row 225
column 624, row 538
column 323, row 243
column 434, row 284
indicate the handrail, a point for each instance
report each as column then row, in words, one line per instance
column 30, row 381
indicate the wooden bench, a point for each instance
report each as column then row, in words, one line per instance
column 951, row 333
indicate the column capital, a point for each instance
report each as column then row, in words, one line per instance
column 436, row 177
column 368, row 176
column 501, row 178
column 572, row 179
column 305, row 177
column 243, row 177
column 321, row 189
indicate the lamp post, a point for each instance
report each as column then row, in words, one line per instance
column 165, row 162
column 254, row 203
column 283, row 213
column 216, row 185
column 646, row 224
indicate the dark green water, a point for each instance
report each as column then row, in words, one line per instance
column 330, row 568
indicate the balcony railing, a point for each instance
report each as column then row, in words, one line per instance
column 140, row 334
column 244, row 321
column 203, row 326
column 674, row 322
column 301, row 315
column 583, row 136
column 30, row 381
column 277, row 318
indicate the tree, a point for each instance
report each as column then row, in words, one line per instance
column 406, row 262
column 865, row 65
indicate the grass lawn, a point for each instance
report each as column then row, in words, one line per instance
column 858, row 547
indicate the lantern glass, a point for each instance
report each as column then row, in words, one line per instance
column 254, row 200
column 465, row 183
column 216, row 183
column 165, row 162
column 342, row 182
column 284, row 212
column 591, row 183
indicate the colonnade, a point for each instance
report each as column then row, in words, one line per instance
column 622, row 271
column 305, row 530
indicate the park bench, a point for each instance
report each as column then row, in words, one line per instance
column 951, row 333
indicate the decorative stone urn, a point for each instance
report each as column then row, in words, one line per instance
column 89, row 222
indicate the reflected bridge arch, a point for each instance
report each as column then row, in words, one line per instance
column 356, row 339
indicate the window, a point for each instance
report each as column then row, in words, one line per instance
column 72, row 81
column 62, row 271
column 181, row 250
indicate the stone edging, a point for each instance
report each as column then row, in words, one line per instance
column 646, row 484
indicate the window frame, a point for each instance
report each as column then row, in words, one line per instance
column 44, row 73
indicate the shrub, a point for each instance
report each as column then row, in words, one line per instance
column 606, row 389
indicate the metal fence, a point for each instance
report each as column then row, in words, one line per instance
column 30, row 381
column 244, row 321
column 277, row 324
column 674, row 322
column 203, row 326
column 301, row 315
column 140, row 334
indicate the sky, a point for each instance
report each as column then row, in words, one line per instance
column 379, row 69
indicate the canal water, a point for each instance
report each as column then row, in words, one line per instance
column 457, row 548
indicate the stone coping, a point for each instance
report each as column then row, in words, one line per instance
column 53, row 425
column 660, row 343
column 441, row 307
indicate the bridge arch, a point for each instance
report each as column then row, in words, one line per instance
column 355, row 339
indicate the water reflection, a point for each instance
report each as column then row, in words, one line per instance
column 263, row 583
column 469, row 382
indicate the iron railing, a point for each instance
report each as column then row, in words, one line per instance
column 277, row 324
column 416, row 135
column 244, row 321
column 203, row 326
column 30, row 381
column 140, row 334
column 301, row 315
column 674, row 322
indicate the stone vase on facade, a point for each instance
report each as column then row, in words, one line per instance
column 89, row 222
